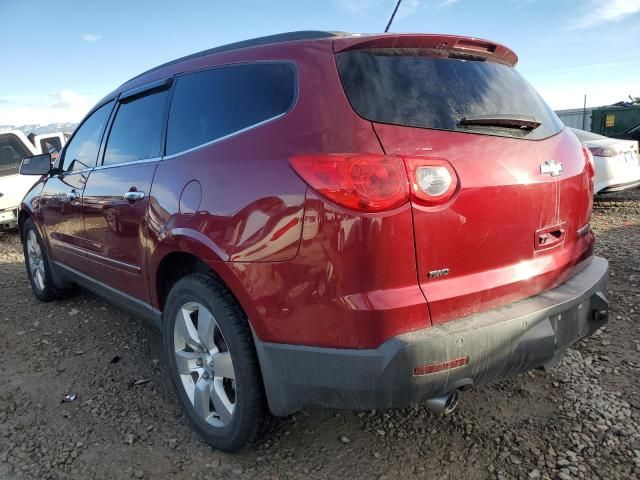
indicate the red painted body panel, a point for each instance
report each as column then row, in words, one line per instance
column 61, row 216
column 352, row 284
column 116, row 229
column 307, row 271
column 348, row 284
column 485, row 235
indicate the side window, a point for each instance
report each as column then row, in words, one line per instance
column 213, row 103
column 82, row 150
column 137, row 129
column 12, row 151
column 50, row 145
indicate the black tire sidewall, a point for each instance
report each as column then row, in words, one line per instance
column 191, row 289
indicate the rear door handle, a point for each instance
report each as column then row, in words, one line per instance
column 133, row 195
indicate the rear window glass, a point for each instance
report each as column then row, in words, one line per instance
column 409, row 87
column 12, row 151
column 212, row 104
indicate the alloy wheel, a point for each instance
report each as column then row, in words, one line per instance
column 204, row 364
column 35, row 260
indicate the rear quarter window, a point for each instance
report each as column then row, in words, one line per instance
column 411, row 87
column 211, row 104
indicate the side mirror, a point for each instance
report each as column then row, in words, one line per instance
column 36, row 165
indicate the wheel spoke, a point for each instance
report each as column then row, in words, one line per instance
column 206, row 326
column 223, row 366
column 185, row 332
column 186, row 361
column 39, row 279
column 201, row 397
column 224, row 408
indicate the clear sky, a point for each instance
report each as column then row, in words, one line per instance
column 60, row 57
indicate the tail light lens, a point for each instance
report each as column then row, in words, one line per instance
column 604, row 151
column 433, row 181
column 588, row 158
column 374, row 182
column 362, row 182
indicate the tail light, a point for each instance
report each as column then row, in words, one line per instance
column 433, row 181
column 362, row 182
column 588, row 157
column 604, row 151
column 375, row 182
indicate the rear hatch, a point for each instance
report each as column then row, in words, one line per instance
column 518, row 222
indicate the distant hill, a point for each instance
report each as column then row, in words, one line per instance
column 40, row 129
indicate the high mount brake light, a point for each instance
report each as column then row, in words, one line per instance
column 375, row 182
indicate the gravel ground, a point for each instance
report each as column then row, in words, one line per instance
column 580, row 420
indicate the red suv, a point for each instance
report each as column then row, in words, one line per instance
column 326, row 219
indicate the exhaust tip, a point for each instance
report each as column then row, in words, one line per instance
column 444, row 404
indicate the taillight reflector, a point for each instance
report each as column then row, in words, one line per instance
column 439, row 367
column 375, row 182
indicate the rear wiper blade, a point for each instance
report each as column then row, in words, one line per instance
column 523, row 122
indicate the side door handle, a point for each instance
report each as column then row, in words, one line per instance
column 133, row 195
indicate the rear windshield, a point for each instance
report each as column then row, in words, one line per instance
column 410, row 87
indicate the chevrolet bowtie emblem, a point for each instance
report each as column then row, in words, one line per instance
column 551, row 167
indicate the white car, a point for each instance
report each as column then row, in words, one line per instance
column 617, row 161
column 14, row 146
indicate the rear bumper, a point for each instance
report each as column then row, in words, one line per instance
column 519, row 337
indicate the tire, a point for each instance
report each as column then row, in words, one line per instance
column 38, row 267
column 213, row 364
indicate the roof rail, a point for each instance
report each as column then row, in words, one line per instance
column 253, row 42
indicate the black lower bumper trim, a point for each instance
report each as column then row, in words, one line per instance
column 502, row 342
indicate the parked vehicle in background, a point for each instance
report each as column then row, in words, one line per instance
column 617, row 161
column 14, row 146
column 327, row 219
column 49, row 142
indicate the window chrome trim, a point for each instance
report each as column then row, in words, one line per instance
column 122, row 164
column 229, row 135
column 109, row 262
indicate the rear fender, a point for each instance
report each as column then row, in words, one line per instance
column 202, row 247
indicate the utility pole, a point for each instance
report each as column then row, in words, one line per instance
column 584, row 113
column 392, row 16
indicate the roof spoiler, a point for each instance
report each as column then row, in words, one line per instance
column 447, row 46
